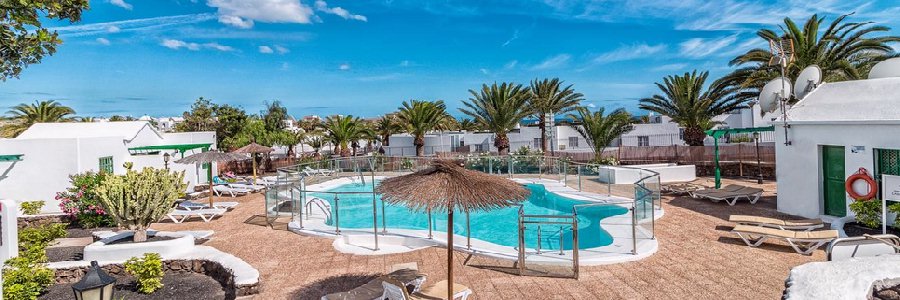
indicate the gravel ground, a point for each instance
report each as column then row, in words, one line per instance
column 175, row 286
column 856, row 229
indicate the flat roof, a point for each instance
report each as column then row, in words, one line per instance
column 861, row 101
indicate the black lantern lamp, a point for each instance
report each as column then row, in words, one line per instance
column 166, row 158
column 95, row 285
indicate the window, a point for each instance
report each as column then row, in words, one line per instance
column 887, row 161
column 106, row 164
column 573, row 142
column 643, row 141
column 537, row 143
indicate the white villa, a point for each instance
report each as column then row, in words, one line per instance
column 833, row 132
column 564, row 139
column 37, row 164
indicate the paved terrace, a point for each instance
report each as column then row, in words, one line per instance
column 698, row 259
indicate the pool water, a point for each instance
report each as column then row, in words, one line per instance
column 496, row 226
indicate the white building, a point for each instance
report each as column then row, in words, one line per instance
column 833, row 132
column 564, row 138
column 37, row 164
column 167, row 124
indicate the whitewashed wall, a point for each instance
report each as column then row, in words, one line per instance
column 799, row 172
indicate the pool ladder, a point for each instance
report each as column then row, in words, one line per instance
column 322, row 205
column 558, row 232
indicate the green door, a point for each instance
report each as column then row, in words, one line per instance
column 833, row 174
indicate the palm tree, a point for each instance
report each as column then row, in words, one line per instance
column 420, row 117
column 343, row 130
column 316, row 141
column 498, row 108
column 24, row 115
column 684, row 100
column 843, row 51
column 386, row 126
column 548, row 96
column 466, row 125
column 600, row 129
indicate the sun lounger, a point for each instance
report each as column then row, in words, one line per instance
column 321, row 172
column 804, row 242
column 807, row 224
column 730, row 194
column 863, row 246
column 248, row 186
column 393, row 290
column 191, row 205
column 680, row 188
column 233, row 192
column 207, row 214
column 408, row 278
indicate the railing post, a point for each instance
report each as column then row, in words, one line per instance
column 539, row 239
column 575, row 262
column 337, row 216
column 468, row 233
column 429, row 225
column 490, row 165
column 633, row 231
column 521, row 243
column 579, row 177
column 561, row 241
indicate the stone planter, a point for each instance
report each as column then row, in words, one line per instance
column 103, row 251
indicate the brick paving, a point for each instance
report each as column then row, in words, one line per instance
column 698, row 259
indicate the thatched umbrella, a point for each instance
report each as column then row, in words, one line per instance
column 210, row 157
column 252, row 149
column 445, row 186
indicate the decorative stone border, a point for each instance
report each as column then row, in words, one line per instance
column 213, row 269
column 43, row 219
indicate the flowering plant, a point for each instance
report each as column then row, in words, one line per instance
column 81, row 203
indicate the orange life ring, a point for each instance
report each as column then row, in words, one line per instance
column 862, row 174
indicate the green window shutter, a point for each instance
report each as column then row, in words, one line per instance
column 106, row 164
column 887, row 161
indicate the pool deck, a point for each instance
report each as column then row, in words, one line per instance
column 697, row 258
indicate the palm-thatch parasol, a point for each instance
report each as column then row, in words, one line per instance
column 445, row 186
column 210, row 157
column 252, row 149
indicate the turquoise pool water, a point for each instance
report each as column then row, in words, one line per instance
column 495, row 226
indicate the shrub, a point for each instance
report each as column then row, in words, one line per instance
column 137, row 199
column 606, row 161
column 26, row 276
column 868, row 212
column 32, row 207
column 147, row 270
column 81, row 203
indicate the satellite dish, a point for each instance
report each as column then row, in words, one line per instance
column 885, row 69
column 772, row 94
column 808, row 80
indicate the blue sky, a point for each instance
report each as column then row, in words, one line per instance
column 136, row 57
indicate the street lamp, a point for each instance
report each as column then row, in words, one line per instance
column 166, row 158
column 759, row 178
column 95, row 285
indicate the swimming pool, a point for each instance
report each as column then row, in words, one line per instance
column 495, row 226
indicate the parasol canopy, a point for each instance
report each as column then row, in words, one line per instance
column 252, row 149
column 445, row 186
column 210, row 157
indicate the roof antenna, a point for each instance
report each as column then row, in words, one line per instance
column 783, row 54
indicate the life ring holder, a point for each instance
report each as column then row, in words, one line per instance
column 862, row 174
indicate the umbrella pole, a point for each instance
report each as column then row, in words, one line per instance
column 209, row 175
column 253, row 159
column 450, row 255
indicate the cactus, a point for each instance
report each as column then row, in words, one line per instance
column 137, row 199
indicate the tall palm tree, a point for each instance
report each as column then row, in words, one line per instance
column 466, row 125
column 844, row 51
column 24, row 115
column 419, row 117
column 386, row 126
column 548, row 96
column 600, row 129
column 343, row 130
column 498, row 108
column 316, row 141
column 685, row 101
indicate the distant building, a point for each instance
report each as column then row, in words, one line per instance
column 37, row 164
column 167, row 124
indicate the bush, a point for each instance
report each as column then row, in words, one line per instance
column 81, row 202
column 26, row 276
column 147, row 270
column 32, row 207
column 606, row 161
column 868, row 212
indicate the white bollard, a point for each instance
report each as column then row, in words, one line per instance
column 9, row 233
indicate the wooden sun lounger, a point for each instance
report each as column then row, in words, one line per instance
column 804, row 242
column 806, row 224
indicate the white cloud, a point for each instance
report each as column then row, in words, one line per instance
column 113, row 29
column 178, row 44
column 344, row 67
column 338, row 11
column 670, row 67
column 701, row 47
column 145, row 24
column 628, row 53
column 282, row 50
column 285, row 66
column 103, row 41
column 514, row 37
column 511, row 64
column 121, row 3
column 553, row 62
column 219, row 47
column 266, row 49
column 242, row 13
column 484, row 71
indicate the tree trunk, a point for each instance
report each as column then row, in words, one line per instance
column 386, row 140
column 344, row 150
column 419, row 141
column 694, row 136
column 544, row 142
column 140, row 235
column 501, row 141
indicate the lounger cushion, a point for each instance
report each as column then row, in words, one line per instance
column 771, row 221
column 787, row 234
column 438, row 290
